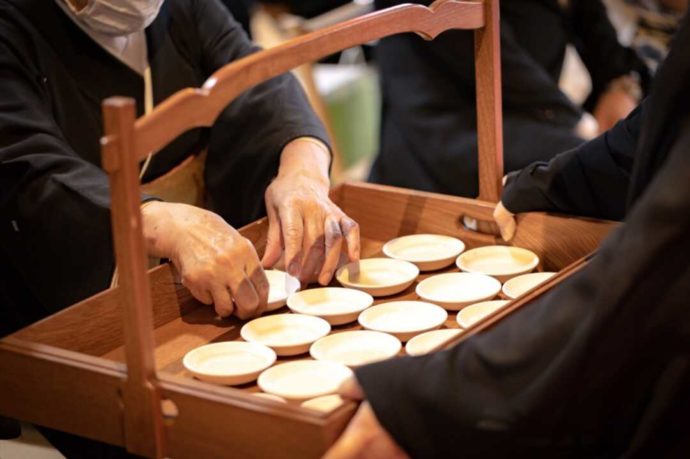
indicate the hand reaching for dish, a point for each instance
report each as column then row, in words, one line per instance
column 216, row 263
column 303, row 221
column 364, row 436
column 505, row 220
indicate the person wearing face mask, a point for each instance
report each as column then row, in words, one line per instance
column 267, row 152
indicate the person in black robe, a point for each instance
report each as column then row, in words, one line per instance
column 55, row 237
column 428, row 136
column 599, row 366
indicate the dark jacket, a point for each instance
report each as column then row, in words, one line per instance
column 55, row 239
column 428, row 138
column 600, row 365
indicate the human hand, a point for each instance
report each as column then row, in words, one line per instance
column 303, row 221
column 616, row 102
column 505, row 220
column 216, row 263
column 364, row 437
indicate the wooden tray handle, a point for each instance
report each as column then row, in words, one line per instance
column 127, row 141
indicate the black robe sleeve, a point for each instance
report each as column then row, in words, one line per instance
column 589, row 369
column 54, row 205
column 591, row 180
column 249, row 136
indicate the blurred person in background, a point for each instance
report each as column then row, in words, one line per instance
column 429, row 139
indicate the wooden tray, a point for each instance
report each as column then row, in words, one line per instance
column 68, row 372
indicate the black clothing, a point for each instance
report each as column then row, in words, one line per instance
column 55, row 238
column 240, row 10
column 428, row 138
column 600, row 365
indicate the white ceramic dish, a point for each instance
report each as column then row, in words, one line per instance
column 500, row 261
column 334, row 304
column 476, row 312
column 428, row 251
column 519, row 285
column 281, row 286
column 453, row 291
column 275, row 398
column 303, row 379
column 378, row 276
column 287, row 334
column 325, row 403
column 229, row 363
column 403, row 319
column 424, row 343
column 356, row 348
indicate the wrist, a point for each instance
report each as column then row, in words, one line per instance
column 155, row 220
column 306, row 157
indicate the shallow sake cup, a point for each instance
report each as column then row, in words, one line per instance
column 378, row 276
column 229, row 363
column 336, row 305
column 403, row 319
column 499, row 261
column 303, row 379
column 429, row 252
column 453, row 291
column 476, row 312
column 286, row 334
column 356, row 348
column 281, row 286
column 426, row 342
column 517, row 286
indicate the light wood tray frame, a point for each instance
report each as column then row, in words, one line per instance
column 108, row 368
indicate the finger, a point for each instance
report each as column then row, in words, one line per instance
column 350, row 229
column 314, row 247
column 351, row 389
column 334, row 242
column 292, row 228
column 257, row 277
column 222, row 301
column 200, row 293
column 274, row 240
column 505, row 221
column 246, row 298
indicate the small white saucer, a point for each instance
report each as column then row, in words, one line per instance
column 287, row 334
column 281, row 286
column 476, row 312
column 275, row 398
column 424, row 343
column 428, row 251
column 336, row 305
column 303, row 379
column 453, row 291
column 325, row 403
column 500, row 261
column 378, row 276
column 229, row 363
column 356, row 348
column 519, row 285
column 403, row 319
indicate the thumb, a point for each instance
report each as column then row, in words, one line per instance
column 274, row 245
column 505, row 221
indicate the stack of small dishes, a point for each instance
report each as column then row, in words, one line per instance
column 356, row 348
column 426, row 342
column 335, row 305
column 476, row 312
column 303, row 379
column 286, row 334
column 403, row 319
column 518, row 286
column 429, row 252
column 378, row 276
column 281, row 286
column 499, row 261
column 453, row 291
column 229, row 363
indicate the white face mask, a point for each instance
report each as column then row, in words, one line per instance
column 117, row 17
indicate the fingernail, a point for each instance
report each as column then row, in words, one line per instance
column 294, row 269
